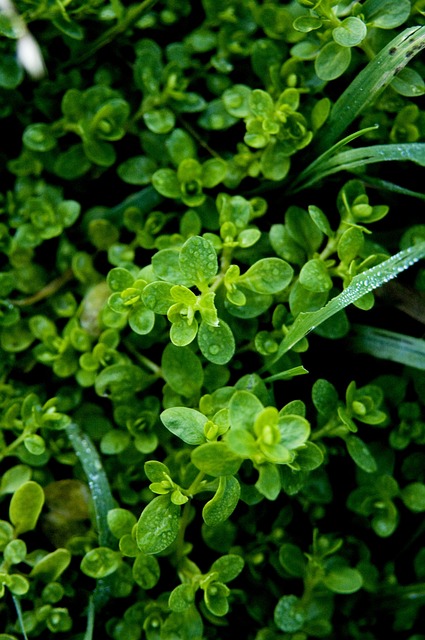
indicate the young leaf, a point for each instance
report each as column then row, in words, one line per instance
column 186, row 423
column 25, row 506
column 217, row 344
column 158, row 525
column 343, row 580
column 361, row 454
column 198, row 260
column 216, row 459
column 182, row 370
column 224, row 502
column 268, row 275
column 228, row 567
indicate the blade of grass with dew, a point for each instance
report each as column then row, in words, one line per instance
column 353, row 158
column 287, row 375
column 370, row 82
column 385, row 185
column 360, row 285
column 389, row 345
column 102, row 499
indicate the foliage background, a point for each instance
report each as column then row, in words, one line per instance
column 180, row 456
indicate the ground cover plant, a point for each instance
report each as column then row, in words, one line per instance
column 211, row 319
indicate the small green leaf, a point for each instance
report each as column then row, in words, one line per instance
column 100, row 562
column 386, row 14
column 236, row 100
column 166, row 183
column 146, row 571
column 120, row 521
column 268, row 275
column 159, row 120
column 182, row 333
column 216, row 459
column 361, row 454
column 408, row 83
column 293, row 560
column 243, row 408
column 181, row 597
column 182, row 370
column 332, row 61
column 198, row 260
column 137, row 170
column 314, row 276
column 413, row 496
column 289, row 615
column 186, row 423
column 51, row 566
column 217, row 344
column 268, row 483
column 228, row 567
column 215, row 597
column 25, row 506
column 350, row 33
column 224, row 502
column 350, row 244
column 158, row 525
column 343, row 580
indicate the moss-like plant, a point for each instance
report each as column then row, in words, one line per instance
column 201, row 435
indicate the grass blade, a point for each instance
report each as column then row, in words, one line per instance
column 352, row 158
column 360, row 285
column 389, row 345
column 370, row 82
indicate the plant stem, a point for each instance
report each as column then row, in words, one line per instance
column 46, row 291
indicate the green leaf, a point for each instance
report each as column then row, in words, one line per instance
column 293, row 560
column 182, row 370
column 361, row 454
column 25, row 507
column 120, row 521
column 217, row 344
column 350, row 244
column 343, row 580
column 137, row 170
column 158, row 525
column 100, row 562
column 39, row 137
column 350, row 33
column 166, row 183
column 236, row 100
column 294, row 430
column 408, row 83
column 215, row 597
column 159, row 120
column 146, row 571
column 243, row 408
column 288, row 614
column 182, row 333
column 198, row 261
column 268, row 483
column 228, row 567
column 386, row 14
column 216, row 459
column 180, row 146
column 332, row 61
column 309, row 457
column 157, row 296
column 214, row 171
column 360, row 285
column 166, row 266
column 222, row 505
column 141, row 320
column 181, row 597
column 52, row 565
column 413, row 496
column 268, row 275
column 186, row 423
column 370, row 82
column 314, row 276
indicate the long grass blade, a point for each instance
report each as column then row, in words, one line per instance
column 352, row 158
column 370, row 82
column 389, row 345
column 360, row 285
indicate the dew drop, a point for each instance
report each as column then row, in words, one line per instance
column 214, row 349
